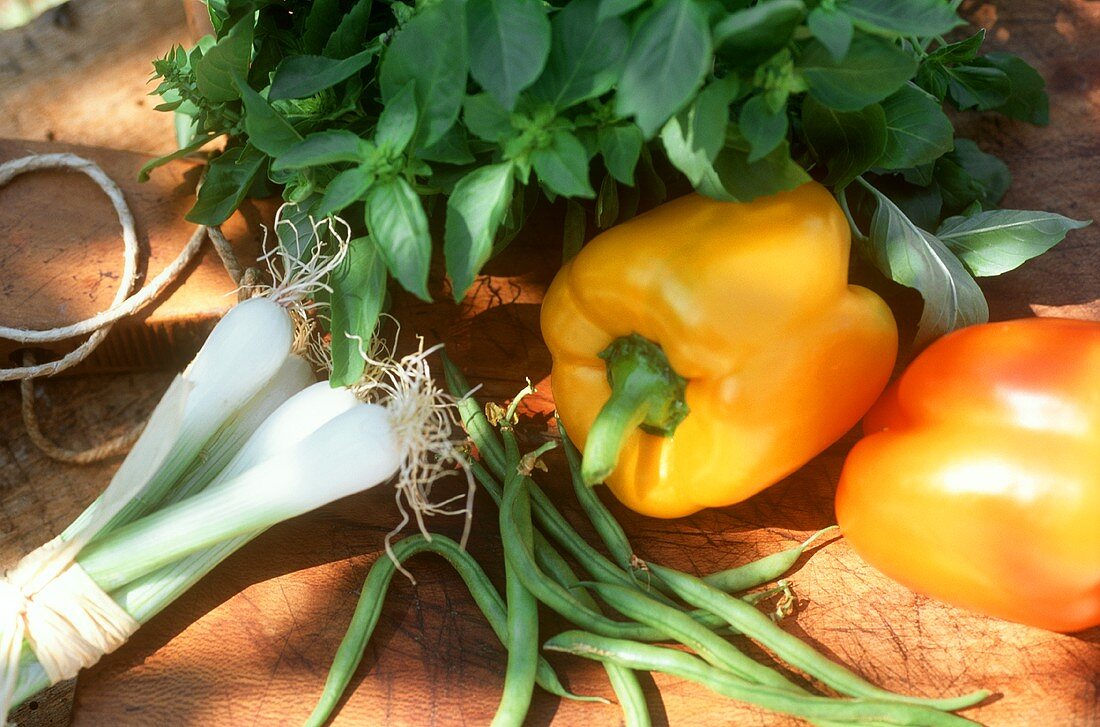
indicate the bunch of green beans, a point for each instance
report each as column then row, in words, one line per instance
column 650, row 603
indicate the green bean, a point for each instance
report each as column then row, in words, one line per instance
column 548, row 557
column 629, row 693
column 369, row 609
column 473, row 418
column 680, row 627
column 607, row 527
column 764, row 570
column 752, row 623
column 686, row 666
column 522, row 620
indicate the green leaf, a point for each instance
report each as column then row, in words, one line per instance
column 509, row 42
column 267, row 129
column 228, row 179
column 563, row 166
column 345, row 188
column 397, row 122
column 873, row 69
column 294, row 228
column 996, row 241
column 397, row 222
column 323, row 18
column 148, row 167
column 967, row 175
column 735, row 178
column 694, row 137
column 475, row 210
column 918, row 259
column 347, row 39
column 430, row 50
column 451, row 148
column 358, row 293
column 586, row 55
column 615, row 8
column 917, row 129
column 762, row 127
column 303, row 76
column 620, row 145
column 977, row 85
column 214, row 71
column 959, row 52
column 324, row 147
column 1027, row 100
column 922, row 205
column 848, row 142
column 908, row 18
column 607, row 203
column 833, row 29
column 749, row 37
column 486, row 119
column 669, row 56
column 574, row 230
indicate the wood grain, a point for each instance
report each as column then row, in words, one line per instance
column 250, row 645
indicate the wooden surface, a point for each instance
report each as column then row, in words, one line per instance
column 250, row 645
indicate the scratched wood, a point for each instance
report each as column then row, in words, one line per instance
column 251, row 643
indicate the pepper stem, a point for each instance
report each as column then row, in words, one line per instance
column 645, row 392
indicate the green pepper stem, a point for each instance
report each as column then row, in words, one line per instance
column 645, row 393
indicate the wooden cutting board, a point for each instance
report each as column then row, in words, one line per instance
column 251, row 644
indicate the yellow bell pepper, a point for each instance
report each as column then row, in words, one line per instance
column 705, row 350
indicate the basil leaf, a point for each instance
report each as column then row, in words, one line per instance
column 228, row 179
column 977, row 85
column 1028, row 99
column 734, row 178
column 194, row 146
column 324, row 147
column 486, row 118
column 267, row 129
column 615, row 8
column 917, row 129
column 620, row 145
column 322, row 20
column 921, row 18
column 848, row 142
column 358, row 293
column 397, row 122
column 397, row 222
column 475, row 210
column 607, row 203
column 963, row 50
column 918, row 259
column 994, row 242
column 669, row 56
column 563, row 166
column 574, row 230
column 967, row 175
column 303, row 76
column 451, row 148
column 922, row 205
column 348, row 37
column 833, row 29
column 873, row 69
column 750, row 36
column 694, row 137
column 345, row 188
column 231, row 54
column 431, row 50
column 762, row 127
column 586, row 55
column 509, row 42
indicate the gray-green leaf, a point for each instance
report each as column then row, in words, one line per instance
column 397, row 122
column 620, row 145
column 344, row 189
column 873, row 69
column 358, row 293
column 734, row 178
column 848, row 142
column 918, row 259
column 1028, row 99
column 750, row 36
column 267, row 129
column 431, row 50
column 509, row 42
column 475, row 210
column 996, row 241
column 324, row 147
column 920, row 18
column 918, row 131
column 832, row 29
column 669, row 56
column 694, row 137
column 586, row 55
column 228, row 179
column 563, row 166
column 762, row 127
column 397, row 222
column 232, row 53
column 302, row 76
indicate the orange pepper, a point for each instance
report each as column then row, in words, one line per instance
column 734, row 344
column 978, row 482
